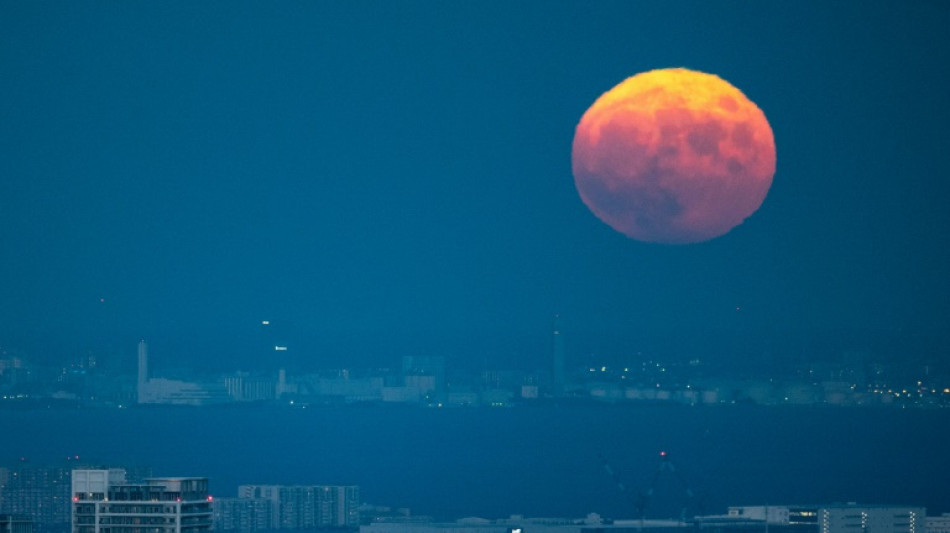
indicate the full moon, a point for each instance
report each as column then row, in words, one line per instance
column 673, row 156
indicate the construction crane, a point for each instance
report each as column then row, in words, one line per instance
column 642, row 498
column 639, row 500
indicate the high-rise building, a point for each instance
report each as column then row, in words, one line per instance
column 244, row 515
column 263, row 507
column 143, row 369
column 39, row 492
column 15, row 524
column 102, row 502
column 43, row 493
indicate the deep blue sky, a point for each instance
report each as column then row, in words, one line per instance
column 392, row 178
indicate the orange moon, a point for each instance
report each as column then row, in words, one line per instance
column 673, row 156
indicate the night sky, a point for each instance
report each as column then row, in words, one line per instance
column 394, row 178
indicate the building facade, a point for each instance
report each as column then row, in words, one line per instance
column 289, row 507
column 853, row 518
column 41, row 493
column 938, row 524
column 829, row 518
column 15, row 524
column 243, row 514
column 102, row 502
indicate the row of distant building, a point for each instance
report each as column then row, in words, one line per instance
column 422, row 381
column 837, row 518
column 108, row 500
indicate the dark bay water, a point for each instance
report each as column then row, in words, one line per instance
column 537, row 461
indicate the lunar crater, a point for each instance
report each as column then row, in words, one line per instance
column 673, row 156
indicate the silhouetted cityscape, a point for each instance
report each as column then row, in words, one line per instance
column 96, row 499
column 852, row 378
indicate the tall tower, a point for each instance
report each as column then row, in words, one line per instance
column 143, row 370
column 557, row 353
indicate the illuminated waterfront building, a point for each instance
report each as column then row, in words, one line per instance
column 829, row 518
column 849, row 518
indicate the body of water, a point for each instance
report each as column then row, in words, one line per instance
column 532, row 460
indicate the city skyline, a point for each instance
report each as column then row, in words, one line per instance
column 91, row 498
column 395, row 179
column 264, row 191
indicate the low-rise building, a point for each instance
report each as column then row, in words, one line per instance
column 937, row 524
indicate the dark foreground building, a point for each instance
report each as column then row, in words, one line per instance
column 38, row 492
column 15, row 524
